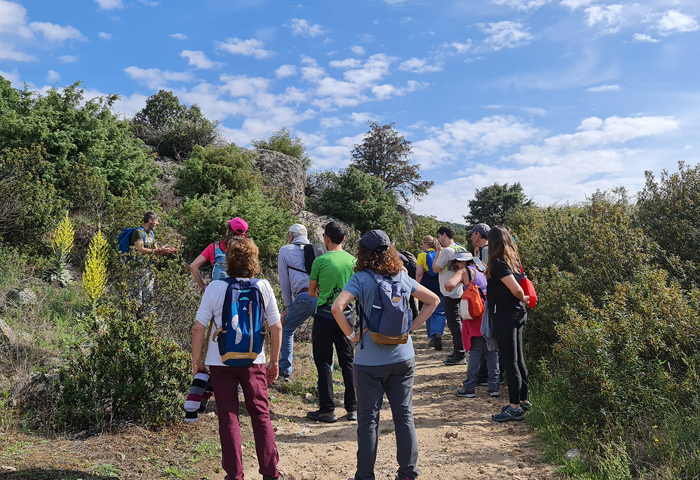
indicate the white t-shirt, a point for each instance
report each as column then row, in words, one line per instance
column 213, row 303
column 447, row 254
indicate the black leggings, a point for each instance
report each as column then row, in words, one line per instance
column 508, row 331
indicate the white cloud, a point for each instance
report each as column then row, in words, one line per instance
column 109, row 4
column 458, row 47
column 417, row 65
column 244, row 86
column 331, row 122
column 104, row 36
column 68, row 58
column 249, row 48
column 357, row 50
column 7, row 52
column 304, row 28
column 574, row 4
column 286, row 71
column 505, row 34
column 346, row 64
column 56, row 33
column 604, row 88
column 374, row 68
column 522, row 4
column 335, row 156
column 644, row 38
column 52, row 76
column 486, row 135
column 536, row 111
column 154, row 77
column 394, row 2
column 12, row 77
column 363, row 117
column 197, row 59
column 13, row 19
column 674, row 21
column 179, row 36
column 611, row 16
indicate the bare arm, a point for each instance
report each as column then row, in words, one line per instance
column 430, row 303
column 138, row 244
column 313, row 288
column 419, row 273
column 194, row 267
column 273, row 365
column 197, row 340
column 456, row 279
column 515, row 288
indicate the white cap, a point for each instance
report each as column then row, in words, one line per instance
column 297, row 229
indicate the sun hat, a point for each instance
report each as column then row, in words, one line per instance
column 298, row 229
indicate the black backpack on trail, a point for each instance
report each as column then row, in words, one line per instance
column 311, row 251
column 410, row 262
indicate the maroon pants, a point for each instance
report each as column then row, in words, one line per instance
column 225, row 381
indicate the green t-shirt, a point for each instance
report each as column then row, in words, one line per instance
column 138, row 234
column 332, row 271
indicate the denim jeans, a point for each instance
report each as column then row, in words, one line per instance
column 477, row 353
column 396, row 381
column 302, row 308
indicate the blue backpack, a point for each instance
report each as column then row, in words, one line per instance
column 241, row 337
column 429, row 259
column 123, row 240
column 219, row 272
column 389, row 322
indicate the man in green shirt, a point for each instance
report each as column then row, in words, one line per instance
column 329, row 274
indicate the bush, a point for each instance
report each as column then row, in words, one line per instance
column 203, row 220
column 210, row 169
column 282, row 141
column 131, row 373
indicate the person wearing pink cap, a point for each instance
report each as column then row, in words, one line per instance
column 215, row 253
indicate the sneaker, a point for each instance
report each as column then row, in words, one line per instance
column 318, row 415
column 493, row 394
column 284, row 378
column 510, row 413
column 462, row 392
column 455, row 360
column 351, row 416
column 483, row 384
column 438, row 341
column 431, row 342
column 526, row 406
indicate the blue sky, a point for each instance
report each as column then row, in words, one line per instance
column 563, row 96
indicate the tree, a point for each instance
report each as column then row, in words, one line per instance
column 385, row 153
column 363, row 201
column 173, row 128
column 282, row 141
column 492, row 204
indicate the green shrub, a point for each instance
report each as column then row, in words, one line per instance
column 210, row 169
column 202, row 220
column 282, row 141
column 130, row 373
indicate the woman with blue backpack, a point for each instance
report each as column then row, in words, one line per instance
column 215, row 253
column 384, row 361
column 435, row 325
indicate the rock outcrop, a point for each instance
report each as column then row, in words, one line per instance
column 284, row 172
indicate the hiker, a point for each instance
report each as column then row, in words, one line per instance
column 382, row 368
column 144, row 240
column 506, row 303
column 410, row 264
column 215, row 253
column 479, row 237
column 435, row 325
column 329, row 274
column 242, row 264
column 294, row 281
column 466, row 271
column 447, row 249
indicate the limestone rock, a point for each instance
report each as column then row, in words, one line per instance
column 21, row 297
column 282, row 171
column 316, row 224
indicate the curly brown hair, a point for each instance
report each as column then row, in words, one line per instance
column 383, row 263
column 242, row 258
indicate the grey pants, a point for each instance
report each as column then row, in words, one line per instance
column 454, row 323
column 371, row 383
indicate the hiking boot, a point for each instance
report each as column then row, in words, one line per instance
column 463, row 392
column 493, row 394
column 526, row 406
column 319, row 416
column 351, row 416
column 510, row 413
column 431, row 342
column 456, row 360
column 438, row 341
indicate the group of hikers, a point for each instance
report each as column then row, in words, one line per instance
column 237, row 309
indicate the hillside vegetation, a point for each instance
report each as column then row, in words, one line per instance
column 613, row 344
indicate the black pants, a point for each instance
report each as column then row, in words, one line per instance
column 325, row 334
column 508, row 330
column 454, row 323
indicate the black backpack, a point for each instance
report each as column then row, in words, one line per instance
column 410, row 262
column 311, row 251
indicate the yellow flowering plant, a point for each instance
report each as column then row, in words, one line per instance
column 95, row 275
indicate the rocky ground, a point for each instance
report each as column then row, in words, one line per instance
column 457, row 439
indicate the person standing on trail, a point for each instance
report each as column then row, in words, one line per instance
column 382, row 368
column 215, row 253
column 329, row 274
column 447, row 249
column 506, row 304
column 294, row 281
column 435, row 325
column 479, row 237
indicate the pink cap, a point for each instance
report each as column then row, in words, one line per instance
column 239, row 226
